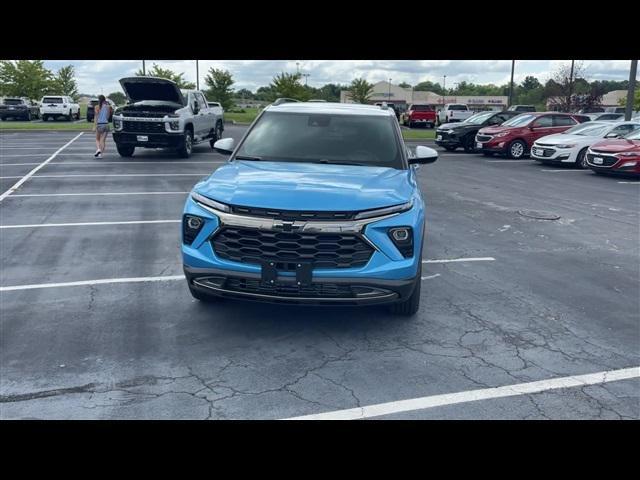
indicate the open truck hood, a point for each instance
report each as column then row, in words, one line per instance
column 139, row 89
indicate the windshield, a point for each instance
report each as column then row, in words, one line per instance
column 422, row 108
column 519, row 121
column 52, row 100
column 589, row 130
column 12, row 101
column 457, row 107
column 635, row 135
column 479, row 118
column 323, row 138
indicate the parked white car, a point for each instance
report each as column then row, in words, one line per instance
column 570, row 147
column 54, row 106
column 454, row 112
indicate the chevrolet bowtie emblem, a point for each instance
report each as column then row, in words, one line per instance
column 285, row 225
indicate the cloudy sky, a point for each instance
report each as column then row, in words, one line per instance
column 101, row 76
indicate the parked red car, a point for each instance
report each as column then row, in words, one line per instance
column 419, row 115
column 620, row 156
column 515, row 136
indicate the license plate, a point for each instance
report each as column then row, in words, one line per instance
column 478, row 145
column 439, row 137
column 598, row 160
column 142, row 138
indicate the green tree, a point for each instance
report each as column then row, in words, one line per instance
column 404, row 85
column 156, row 71
column 360, row 90
column 636, row 100
column 244, row 93
column 331, row 92
column 65, row 82
column 288, row 85
column 428, row 86
column 24, row 78
column 219, row 83
column 118, row 98
column 530, row 83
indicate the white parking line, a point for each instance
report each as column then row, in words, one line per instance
column 430, row 276
column 101, row 175
column 88, row 224
column 633, row 183
column 432, row 401
column 28, row 175
column 509, row 161
column 91, row 194
column 564, row 171
column 97, row 164
column 469, row 259
column 92, row 282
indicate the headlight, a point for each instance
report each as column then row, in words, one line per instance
column 117, row 124
column 503, row 134
column 566, row 145
column 402, row 238
column 174, row 125
column 210, row 204
column 191, row 226
column 379, row 212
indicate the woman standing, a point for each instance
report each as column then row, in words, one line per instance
column 101, row 118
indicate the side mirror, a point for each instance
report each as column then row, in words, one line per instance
column 612, row 135
column 423, row 155
column 194, row 107
column 224, row 145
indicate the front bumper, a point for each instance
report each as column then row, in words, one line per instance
column 386, row 277
column 614, row 165
column 154, row 140
column 552, row 154
column 322, row 291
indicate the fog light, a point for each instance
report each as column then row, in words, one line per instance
column 628, row 164
column 402, row 238
column 117, row 124
column 400, row 234
column 174, row 125
column 191, row 226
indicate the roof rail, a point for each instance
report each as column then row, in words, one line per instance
column 280, row 101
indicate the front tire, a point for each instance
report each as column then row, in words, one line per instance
column 517, row 149
column 411, row 305
column 467, row 143
column 581, row 159
column 217, row 133
column 125, row 150
column 184, row 151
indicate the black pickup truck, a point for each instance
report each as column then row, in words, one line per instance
column 462, row 134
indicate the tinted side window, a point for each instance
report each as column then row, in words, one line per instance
column 563, row 121
column 544, row 121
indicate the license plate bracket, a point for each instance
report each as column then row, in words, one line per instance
column 268, row 272
column 598, row 160
column 142, row 138
column 304, row 273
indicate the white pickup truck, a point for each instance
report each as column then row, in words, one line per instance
column 54, row 106
column 454, row 112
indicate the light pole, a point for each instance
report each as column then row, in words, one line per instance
column 306, row 76
column 570, row 86
column 631, row 91
column 298, row 67
column 513, row 64
column 197, row 76
column 444, row 89
column 144, row 71
column 389, row 96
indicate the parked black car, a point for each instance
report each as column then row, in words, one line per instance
column 19, row 109
column 462, row 134
column 91, row 109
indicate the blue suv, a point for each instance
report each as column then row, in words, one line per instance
column 318, row 204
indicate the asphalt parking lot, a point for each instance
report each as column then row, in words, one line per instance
column 97, row 321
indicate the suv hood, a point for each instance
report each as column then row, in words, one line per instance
column 559, row 138
column 138, row 89
column 617, row 146
column 497, row 129
column 307, row 186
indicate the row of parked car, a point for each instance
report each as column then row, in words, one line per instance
column 605, row 146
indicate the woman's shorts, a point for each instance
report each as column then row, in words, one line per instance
column 103, row 128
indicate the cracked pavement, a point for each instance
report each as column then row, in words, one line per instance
column 560, row 299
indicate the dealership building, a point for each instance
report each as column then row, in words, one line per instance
column 403, row 97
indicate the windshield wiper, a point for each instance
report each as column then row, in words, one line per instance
column 247, row 157
column 339, row 162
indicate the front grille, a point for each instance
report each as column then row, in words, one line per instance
column 607, row 160
column 483, row 138
column 143, row 127
column 315, row 290
column 285, row 249
column 144, row 114
column 291, row 215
